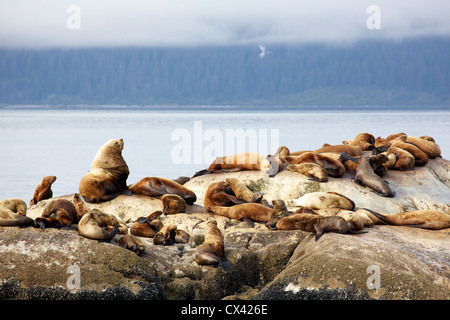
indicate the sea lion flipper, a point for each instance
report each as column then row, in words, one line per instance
column 319, row 231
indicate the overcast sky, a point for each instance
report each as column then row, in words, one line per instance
column 102, row 23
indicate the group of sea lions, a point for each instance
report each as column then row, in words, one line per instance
column 319, row 212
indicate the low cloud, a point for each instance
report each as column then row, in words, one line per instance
column 43, row 23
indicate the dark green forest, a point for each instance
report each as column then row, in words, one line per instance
column 410, row 72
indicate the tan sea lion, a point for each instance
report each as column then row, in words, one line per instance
column 212, row 251
column 405, row 160
column 428, row 138
column 364, row 140
column 283, row 152
column 94, row 225
column 426, row 219
column 108, row 175
column 169, row 235
column 13, row 213
column 57, row 213
column 156, row 187
column 311, row 170
column 132, row 243
column 279, row 211
column 323, row 200
column 333, row 167
column 431, row 148
column 80, row 206
column 420, row 157
column 43, row 190
column 339, row 148
column 366, row 176
column 220, row 194
column 240, row 189
column 317, row 224
column 239, row 162
column 353, row 218
column 248, row 212
column 173, row 203
column 147, row 226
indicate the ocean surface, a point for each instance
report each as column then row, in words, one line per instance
column 169, row 144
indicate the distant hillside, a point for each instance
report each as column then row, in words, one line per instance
column 412, row 72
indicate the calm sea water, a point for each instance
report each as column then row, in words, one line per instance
column 37, row 143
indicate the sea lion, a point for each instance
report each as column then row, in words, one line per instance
column 57, row 213
column 240, row 189
column 323, row 200
column 333, row 167
column 173, row 203
column 428, row 138
column 239, row 162
column 212, row 252
column 147, row 226
column 182, row 180
column 364, row 140
column 80, row 206
column 317, row 224
column 94, row 225
column 220, row 194
column 426, row 219
column 132, row 243
column 13, row 213
column 43, row 190
column 339, row 148
column 283, row 152
column 248, row 212
column 405, row 160
column 279, row 211
column 366, row 176
column 353, row 218
column 108, row 175
column 312, row 170
column 431, row 148
column 420, row 157
column 169, row 235
column 156, row 187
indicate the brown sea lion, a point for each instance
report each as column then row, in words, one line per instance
column 132, row 243
column 156, row 187
column 248, row 212
column 240, row 189
column 57, row 213
column 220, row 194
column 283, row 152
column 43, row 190
column 405, row 160
column 317, row 224
column 339, row 148
column 420, row 157
column 333, row 167
column 169, row 235
column 431, row 148
column 279, row 211
column 353, row 218
column 426, row 219
column 147, row 226
column 239, row 162
column 173, row 203
column 366, row 176
column 95, row 223
column 428, row 138
column 212, row 251
column 182, row 180
column 364, row 140
column 80, row 206
column 312, row 170
column 108, row 175
column 323, row 200
column 13, row 213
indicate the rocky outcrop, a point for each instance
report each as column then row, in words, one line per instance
column 387, row 262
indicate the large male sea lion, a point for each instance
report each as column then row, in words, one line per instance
column 13, row 213
column 323, row 200
column 57, row 213
column 366, row 176
column 95, row 223
column 405, row 160
column 431, row 148
column 156, row 187
column 43, row 190
column 426, row 219
column 221, row 194
column 364, row 140
column 173, row 203
column 420, row 157
column 108, row 175
column 212, row 251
